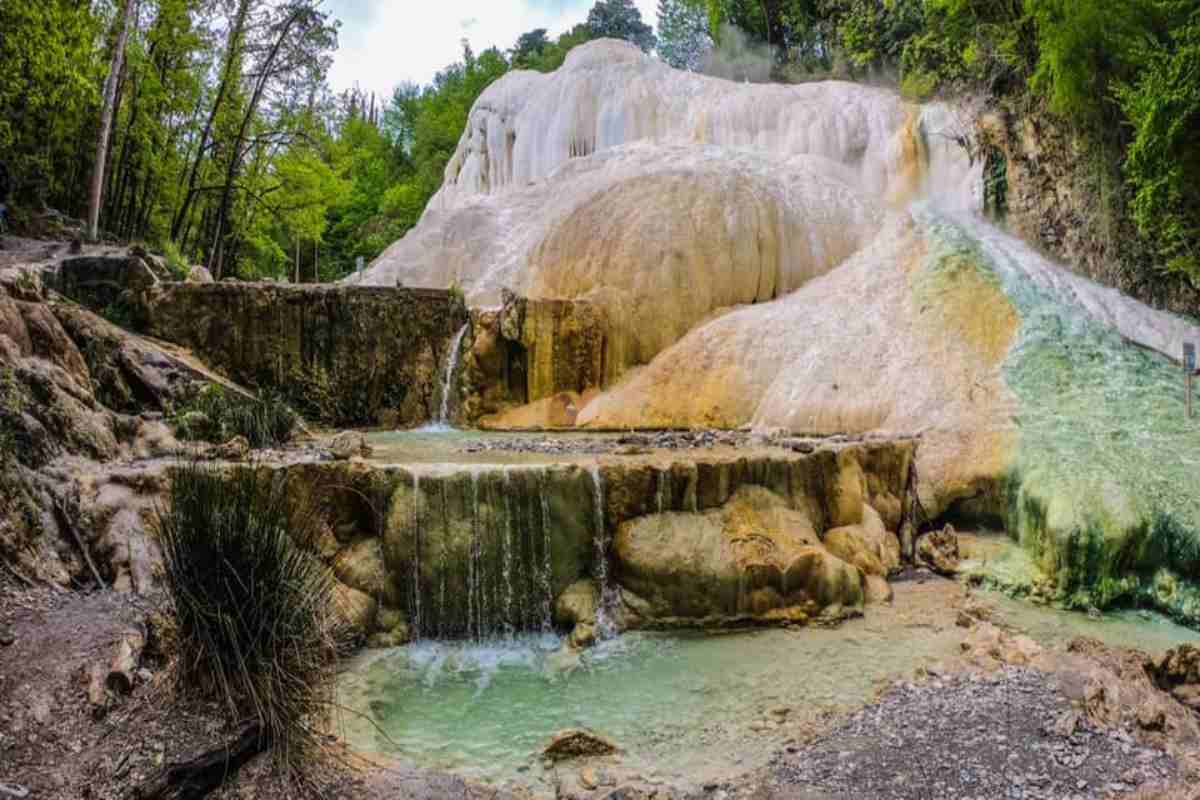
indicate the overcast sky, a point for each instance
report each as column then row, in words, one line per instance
column 385, row 42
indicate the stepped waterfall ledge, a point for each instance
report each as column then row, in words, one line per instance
column 483, row 552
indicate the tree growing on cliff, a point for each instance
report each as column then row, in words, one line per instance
column 620, row 19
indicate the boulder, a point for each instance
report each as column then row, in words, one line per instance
column 391, row 629
column 847, row 543
column 577, row 743
column 199, row 274
column 578, row 603
column 877, row 590
column 349, row 444
column 752, row 557
column 938, row 550
column 356, row 610
column 577, row 607
column 1178, row 672
column 361, row 566
column 989, row 647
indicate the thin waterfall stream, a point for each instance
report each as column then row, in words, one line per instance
column 448, row 377
column 605, row 622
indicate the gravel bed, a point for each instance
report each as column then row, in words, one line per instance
column 1008, row 735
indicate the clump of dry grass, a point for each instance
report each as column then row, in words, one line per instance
column 256, row 621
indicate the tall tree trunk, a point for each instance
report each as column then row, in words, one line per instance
column 235, row 156
column 115, row 137
column 106, row 119
column 232, row 54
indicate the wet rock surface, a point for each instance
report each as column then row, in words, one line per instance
column 969, row 736
column 347, row 355
column 576, row 742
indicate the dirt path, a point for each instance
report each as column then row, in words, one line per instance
column 54, row 747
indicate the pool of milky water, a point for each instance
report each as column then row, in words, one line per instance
column 685, row 709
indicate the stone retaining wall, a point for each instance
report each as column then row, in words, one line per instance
column 347, row 355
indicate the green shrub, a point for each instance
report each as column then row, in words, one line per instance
column 257, row 627
column 1163, row 161
column 177, row 263
column 218, row 415
column 120, row 313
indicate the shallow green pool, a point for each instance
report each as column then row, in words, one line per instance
column 684, row 709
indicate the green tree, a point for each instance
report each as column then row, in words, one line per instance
column 52, row 71
column 683, row 40
column 1085, row 47
column 620, row 19
column 530, row 48
column 1163, row 162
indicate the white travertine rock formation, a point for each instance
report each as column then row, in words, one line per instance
column 861, row 350
column 660, row 195
column 659, row 235
column 667, row 197
column 609, row 93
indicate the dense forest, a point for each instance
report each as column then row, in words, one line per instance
column 206, row 128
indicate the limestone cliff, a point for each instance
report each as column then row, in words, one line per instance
column 1064, row 192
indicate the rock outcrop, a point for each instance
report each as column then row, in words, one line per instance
column 753, row 558
column 100, row 281
column 1055, row 196
column 346, row 355
column 76, row 394
column 531, row 362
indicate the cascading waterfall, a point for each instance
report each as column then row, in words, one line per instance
column 506, row 492
column 448, row 377
column 415, row 594
column 490, row 573
column 547, row 576
column 605, row 624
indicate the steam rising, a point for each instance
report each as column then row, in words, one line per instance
column 736, row 57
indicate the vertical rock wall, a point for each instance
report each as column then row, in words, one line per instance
column 350, row 355
column 533, row 350
column 1060, row 194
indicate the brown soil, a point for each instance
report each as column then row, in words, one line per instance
column 55, row 747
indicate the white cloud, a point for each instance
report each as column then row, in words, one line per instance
column 386, row 42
